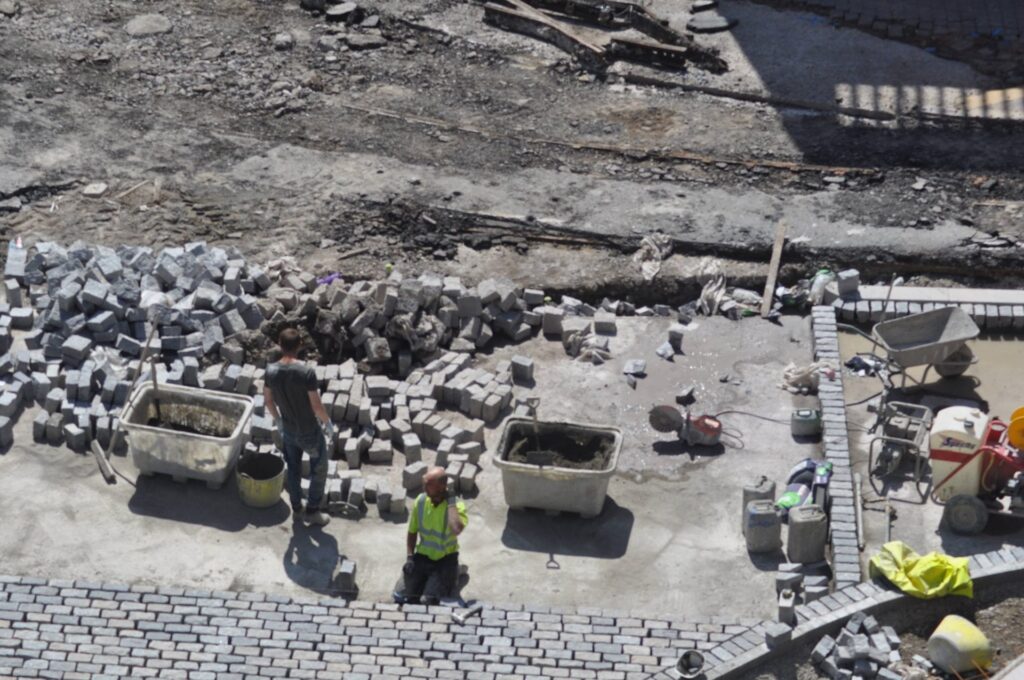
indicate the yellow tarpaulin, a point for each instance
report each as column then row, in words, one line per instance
column 928, row 576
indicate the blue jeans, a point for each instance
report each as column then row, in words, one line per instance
column 314, row 444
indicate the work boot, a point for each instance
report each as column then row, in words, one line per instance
column 316, row 516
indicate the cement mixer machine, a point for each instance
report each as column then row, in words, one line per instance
column 977, row 466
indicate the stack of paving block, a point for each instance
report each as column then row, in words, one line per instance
column 862, row 649
column 205, row 309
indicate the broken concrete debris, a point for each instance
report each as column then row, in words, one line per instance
column 147, row 24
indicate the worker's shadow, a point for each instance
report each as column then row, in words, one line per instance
column 311, row 558
column 193, row 503
column 605, row 536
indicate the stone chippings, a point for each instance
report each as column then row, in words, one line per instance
column 82, row 629
column 836, row 441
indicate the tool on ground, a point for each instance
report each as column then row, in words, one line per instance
column 469, row 613
column 805, row 422
column 773, row 269
column 694, row 430
column 977, row 468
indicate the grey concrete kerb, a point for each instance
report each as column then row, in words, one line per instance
column 827, row 615
column 836, row 444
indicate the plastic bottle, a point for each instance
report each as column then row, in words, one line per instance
column 821, row 279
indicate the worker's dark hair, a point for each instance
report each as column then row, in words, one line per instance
column 289, row 341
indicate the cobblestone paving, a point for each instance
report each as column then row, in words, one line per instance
column 78, row 629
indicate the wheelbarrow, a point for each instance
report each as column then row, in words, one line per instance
column 937, row 338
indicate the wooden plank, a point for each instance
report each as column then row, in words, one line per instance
column 773, row 270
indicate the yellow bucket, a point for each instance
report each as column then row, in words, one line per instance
column 260, row 479
column 958, row 646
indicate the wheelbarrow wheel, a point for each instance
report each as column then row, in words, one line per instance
column 965, row 514
column 956, row 364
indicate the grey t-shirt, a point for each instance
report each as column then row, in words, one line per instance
column 290, row 384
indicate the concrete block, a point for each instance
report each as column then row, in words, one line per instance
column 397, row 508
column 467, row 478
column 384, row 500
column 522, row 370
column 787, row 607
column 55, row 429
column 886, row 674
column 380, row 452
column 605, row 324
column 788, row 580
column 871, row 625
column 675, row 336
column 823, row 649
column 352, row 454
column 776, row 633
column 891, row 637
column 551, row 321
column 848, row 281
column 9, row 404
column 75, row 437
column 76, row 348
column 345, row 579
column 412, row 475
column 357, row 491
column 411, row 447
column 39, row 426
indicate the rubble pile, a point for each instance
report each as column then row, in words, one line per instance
column 862, row 649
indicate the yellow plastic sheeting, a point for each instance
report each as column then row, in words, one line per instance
column 926, row 577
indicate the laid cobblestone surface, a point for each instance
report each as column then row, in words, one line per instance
column 79, row 629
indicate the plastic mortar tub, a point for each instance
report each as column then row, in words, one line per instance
column 199, row 437
column 590, row 453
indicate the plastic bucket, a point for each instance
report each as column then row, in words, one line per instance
column 690, row 664
column 260, row 479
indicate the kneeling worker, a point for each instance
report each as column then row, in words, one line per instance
column 432, row 546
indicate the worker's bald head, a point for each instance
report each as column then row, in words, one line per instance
column 435, row 483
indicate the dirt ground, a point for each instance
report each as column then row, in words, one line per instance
column 407, row 149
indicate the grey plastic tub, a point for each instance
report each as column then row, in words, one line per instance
column 550, row 487
column 182, row 454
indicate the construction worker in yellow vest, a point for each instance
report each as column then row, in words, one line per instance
column 431, row 568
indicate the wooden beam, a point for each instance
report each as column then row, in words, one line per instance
column 773, row 269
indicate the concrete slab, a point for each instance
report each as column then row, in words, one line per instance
column 668, row 540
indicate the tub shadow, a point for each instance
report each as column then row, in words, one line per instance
column 192, row 503
column 605, row 536
column 676, row 447
column 311, row 558
column 767, row 561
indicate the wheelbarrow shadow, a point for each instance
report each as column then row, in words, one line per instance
column 605, row 536
column 193, row 503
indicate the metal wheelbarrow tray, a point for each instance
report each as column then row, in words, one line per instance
column 183, row 452
column 925, row 338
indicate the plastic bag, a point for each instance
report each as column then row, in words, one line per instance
column 929, row 576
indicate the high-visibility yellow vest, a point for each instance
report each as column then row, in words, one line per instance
column 431, row 523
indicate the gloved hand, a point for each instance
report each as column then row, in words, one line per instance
column 278, row 425
column 409, row 566
column 328, row 429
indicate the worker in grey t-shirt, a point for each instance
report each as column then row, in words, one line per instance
column 293, row 399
